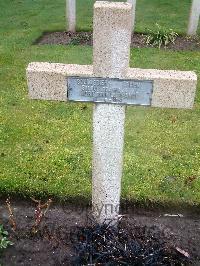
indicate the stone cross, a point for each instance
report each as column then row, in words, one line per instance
column 194, row 17
column 111, row 48
column 71, row 15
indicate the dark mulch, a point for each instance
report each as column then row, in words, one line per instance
column 66, row 236
column 138, row 40
column 109, row 245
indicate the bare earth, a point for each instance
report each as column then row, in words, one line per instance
column 138, row 40
column 54, row 241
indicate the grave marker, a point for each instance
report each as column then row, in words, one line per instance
column 194, row 17
column 110, row 84
column 71, row 15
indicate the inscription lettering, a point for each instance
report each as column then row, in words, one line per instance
column 110, row 90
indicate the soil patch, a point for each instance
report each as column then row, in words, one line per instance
column 138, row 40
column 54, row 242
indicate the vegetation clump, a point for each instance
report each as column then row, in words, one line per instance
column 161, row 37
column 4, row 241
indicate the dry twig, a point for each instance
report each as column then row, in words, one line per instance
column 40, row 211
column 11, row 215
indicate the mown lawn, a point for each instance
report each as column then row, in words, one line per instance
column 45, row 147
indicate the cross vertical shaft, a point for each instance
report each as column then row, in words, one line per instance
column 111, row 48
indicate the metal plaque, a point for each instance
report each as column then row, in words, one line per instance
column 107, row 90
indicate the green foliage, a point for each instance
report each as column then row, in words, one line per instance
column 4, row 241
column 75, row 41
column 161, row 37
column 78, row 39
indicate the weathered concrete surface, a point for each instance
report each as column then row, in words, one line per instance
column 112, row 37
column 47, row 81
column 171, row 89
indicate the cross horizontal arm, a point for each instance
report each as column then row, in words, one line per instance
column 171, row 89
column 47, row 81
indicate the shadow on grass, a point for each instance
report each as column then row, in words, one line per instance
column 126, row 206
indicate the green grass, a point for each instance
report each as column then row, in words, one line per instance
column 45, row 147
